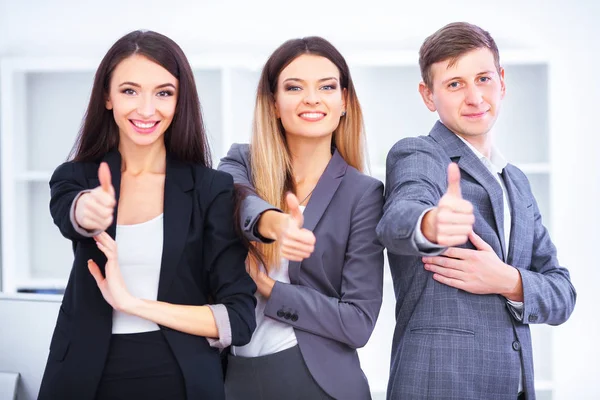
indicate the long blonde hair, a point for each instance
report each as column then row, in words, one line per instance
column 270, row 160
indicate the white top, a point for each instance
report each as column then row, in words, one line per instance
column 140, row 252
column 270, row 336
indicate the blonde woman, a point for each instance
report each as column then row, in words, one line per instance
column 320, row 282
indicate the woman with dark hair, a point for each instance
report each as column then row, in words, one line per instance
column 320, row 284
column 134, row 322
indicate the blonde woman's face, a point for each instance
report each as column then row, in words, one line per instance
column 309, row 98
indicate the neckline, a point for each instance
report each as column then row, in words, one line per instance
column 159, row 216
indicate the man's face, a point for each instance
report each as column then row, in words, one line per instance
column 466, row 96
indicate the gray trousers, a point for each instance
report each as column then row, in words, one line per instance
column 279, row 376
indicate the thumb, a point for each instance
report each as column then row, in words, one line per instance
column 105, row 178
column 478, row 242
column 454, row 180
column 95, row 271
column 294, row 209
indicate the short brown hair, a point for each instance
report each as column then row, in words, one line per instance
column 450, row 43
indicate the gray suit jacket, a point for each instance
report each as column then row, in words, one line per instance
column 335, row 295
column 449, row 343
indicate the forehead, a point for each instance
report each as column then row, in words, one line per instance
column 309, row 67
column 141, row 70
column 468, row 65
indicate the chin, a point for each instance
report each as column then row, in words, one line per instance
column 143, row 141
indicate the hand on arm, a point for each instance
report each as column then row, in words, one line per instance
column 195, row 320
column 94, row 210
column 450, row 222
column 295, row 242
column 477, row 271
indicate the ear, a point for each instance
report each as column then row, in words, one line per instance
column 108, row 103
column 427, row 96
column 502, row 83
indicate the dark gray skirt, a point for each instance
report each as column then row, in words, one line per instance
column 282, row 375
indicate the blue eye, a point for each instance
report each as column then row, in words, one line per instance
column 453, row 85
column 485, row 79
column 329, row 87
column 293, row 88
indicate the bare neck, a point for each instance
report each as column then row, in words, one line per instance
column 309, row 157
column 138, row 160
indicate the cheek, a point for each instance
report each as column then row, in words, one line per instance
column 287, row 110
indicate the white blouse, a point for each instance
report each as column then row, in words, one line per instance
column 140, row 252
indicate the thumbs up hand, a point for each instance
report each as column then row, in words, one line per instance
column 94, row 210
column 296, row 243
column 451, row 222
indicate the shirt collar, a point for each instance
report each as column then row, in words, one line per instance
column 496, row 161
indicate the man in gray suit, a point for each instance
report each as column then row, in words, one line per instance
column 472, row 263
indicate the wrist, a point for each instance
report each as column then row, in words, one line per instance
column 266, row 285
column 270, row 224
column 428, row 225
column 131, row 305
column 77, row 208
column 513, row 289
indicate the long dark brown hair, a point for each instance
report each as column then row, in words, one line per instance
column 185, row 138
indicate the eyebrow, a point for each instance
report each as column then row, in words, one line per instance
column 458, row 77
column 137, row 85
column 320, row 80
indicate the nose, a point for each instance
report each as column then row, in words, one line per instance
column 312, row 97
column 473, row 95
column 146, row 107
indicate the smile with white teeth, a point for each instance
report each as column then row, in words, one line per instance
column 144, row 125
column 312, row 115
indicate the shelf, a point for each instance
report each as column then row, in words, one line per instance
column 42, row 284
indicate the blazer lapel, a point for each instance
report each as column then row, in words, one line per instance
column 518, row 212
column 179, row 182
column 469, row 163
column 320, row 199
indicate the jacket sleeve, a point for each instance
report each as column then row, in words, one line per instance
column 224, row 256
column 549, row 296
column 66, row 184
column 351, row 318
column 236, row 163
column 415, row 182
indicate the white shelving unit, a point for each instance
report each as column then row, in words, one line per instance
column 44, row 99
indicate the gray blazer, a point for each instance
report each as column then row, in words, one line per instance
column 335, row 295
column 449, row 343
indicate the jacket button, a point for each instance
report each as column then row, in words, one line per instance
column 533, row 318
column 247, row 222
column 287, row 315
column 294, row 317
column 516, row 345
column 280, row 313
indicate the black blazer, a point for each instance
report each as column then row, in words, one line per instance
column 202, row 262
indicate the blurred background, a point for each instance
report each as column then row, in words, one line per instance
column 548, row 127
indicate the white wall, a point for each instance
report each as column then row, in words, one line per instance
column 566, row 29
